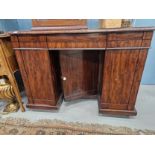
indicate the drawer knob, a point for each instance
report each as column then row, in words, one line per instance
column 63, row 78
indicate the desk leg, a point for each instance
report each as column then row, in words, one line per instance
column 16, row 91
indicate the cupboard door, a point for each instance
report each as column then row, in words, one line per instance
column 79, row 71
column 118, row 76
column 40, row 77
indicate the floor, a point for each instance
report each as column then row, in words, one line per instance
column 87, row 111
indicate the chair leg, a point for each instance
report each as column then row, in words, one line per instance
column 16, row 91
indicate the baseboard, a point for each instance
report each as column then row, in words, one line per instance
column 118, row 112
column 44, row 106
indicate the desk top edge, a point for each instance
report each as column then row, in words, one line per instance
column 31, row 32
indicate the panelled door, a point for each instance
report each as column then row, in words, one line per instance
column 118, row 76
column 79, row 71
column 39, row 77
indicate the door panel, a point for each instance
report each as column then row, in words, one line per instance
column 118, row 75
column 38, row 70
column 80, row 71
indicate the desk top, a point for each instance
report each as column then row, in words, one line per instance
column 83, row 31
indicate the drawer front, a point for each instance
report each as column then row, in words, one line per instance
column 125, row 36
column 77, row 41
column 33, row 45
column 32, row 41
column 129, row 43
column 33, row 38
column 130, row 39
column 124, row 43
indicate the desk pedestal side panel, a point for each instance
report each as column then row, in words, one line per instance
column 80, row 71
column 39, row 78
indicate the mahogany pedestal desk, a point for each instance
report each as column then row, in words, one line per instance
column 105, row 64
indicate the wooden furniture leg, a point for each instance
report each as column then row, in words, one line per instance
column 16, row 91
column 8, row 65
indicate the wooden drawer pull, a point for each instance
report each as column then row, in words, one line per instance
column 63, row 78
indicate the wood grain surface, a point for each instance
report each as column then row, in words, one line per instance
column 81, row 69
column 106, row 64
